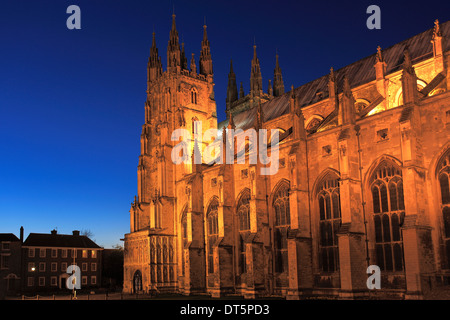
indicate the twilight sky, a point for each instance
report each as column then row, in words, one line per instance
column 72, row 101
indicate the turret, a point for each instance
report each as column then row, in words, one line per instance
column 205, row 56
column 173, row 49
column 278, row 85
column 154, row 67
column 255, row 76
column 232, row 93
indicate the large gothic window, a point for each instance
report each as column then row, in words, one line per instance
column 243, row 213
column 213, row 231
column 329, row 223
column 282, row 222
column 388, row 214
column 443, row 172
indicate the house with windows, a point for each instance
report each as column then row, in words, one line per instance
column 10, row 267
column 46, row 257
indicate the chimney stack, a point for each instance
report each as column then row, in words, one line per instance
column 76, row 232
column 21, row 234
column 54, row 232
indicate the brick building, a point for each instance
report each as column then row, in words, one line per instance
column 363, row 179
column 45, row 258
column 10, row 269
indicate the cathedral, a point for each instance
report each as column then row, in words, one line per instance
column 362, row 180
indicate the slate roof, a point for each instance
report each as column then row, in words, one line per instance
column 8, row 237
column 59, row 240
column 358, row 73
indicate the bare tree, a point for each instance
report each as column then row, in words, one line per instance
column 87, row 232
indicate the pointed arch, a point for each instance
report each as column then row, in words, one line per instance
column 243, row 226
column 243, row 210
column 375, row 165
column 281, row 220
column 184, row 236
column 327, row 174
column 328, row 218
column 385, row 184
column 212, row 228
column 441, row 179
column 313, row 122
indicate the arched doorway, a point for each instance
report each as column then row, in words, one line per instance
column 137, row 282
column 12, row 283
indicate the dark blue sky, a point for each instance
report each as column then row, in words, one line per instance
column 72, row 101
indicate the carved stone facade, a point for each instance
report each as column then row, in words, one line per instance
column 363, row 179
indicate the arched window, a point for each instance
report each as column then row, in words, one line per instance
column 329, row 223
column 194, row 96
column 157, row 213
column 388, row 214
column 443, row 174
column 184, row 240
column 243, row 213
column 212, row 217
column 313, row 123
column 137, row 281
column 282, row 217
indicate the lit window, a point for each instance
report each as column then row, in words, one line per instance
column 243, row 213
column 329, row 224
column 388, row 213
column 282, row 217
column 94, row 254
column 213, row 231
column 85, row 254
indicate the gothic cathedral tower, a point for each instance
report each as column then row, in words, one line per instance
column 176, row 99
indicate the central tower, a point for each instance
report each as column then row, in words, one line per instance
column 177, row 98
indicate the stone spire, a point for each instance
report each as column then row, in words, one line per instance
column 270, row 89
column 205, row 56
column 255, row 76
column 184, row 63
column 438, row 46
column 332, row 89
column 278, row 85
column 231, row 124
column 154, row 62
column 232, row 93
column 173, row 49
column 347, row 107
column 380, row 71
column 409, row 80
column 241, row 91
column 193, row 65
column 259, row 117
